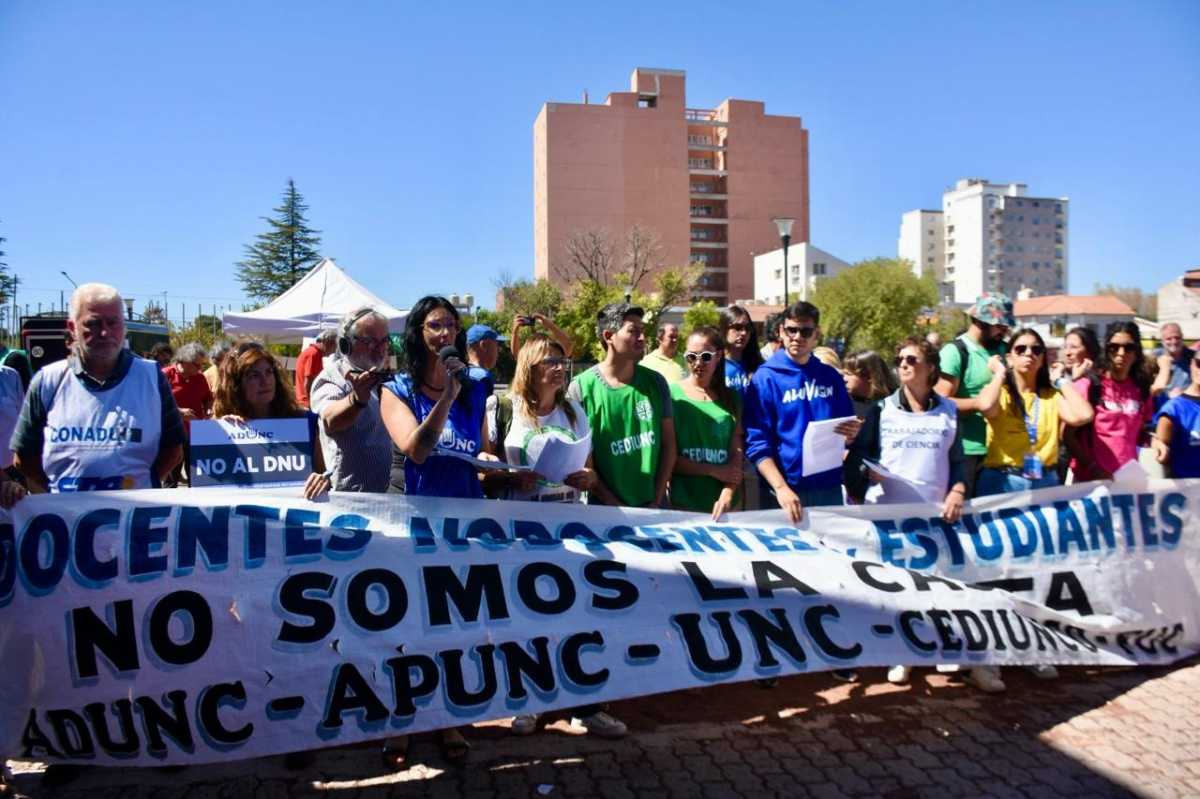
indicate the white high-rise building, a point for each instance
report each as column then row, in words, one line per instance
column 922, row 241
column 995, row 238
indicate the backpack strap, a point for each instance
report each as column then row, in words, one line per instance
column 504, row 415
column 963, row 359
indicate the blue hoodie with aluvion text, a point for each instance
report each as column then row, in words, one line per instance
column 783, row 398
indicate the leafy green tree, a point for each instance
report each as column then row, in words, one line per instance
column 874, row 304
column 1143, row 303
column 700, row 314
column 205, row 329
column 285, row 253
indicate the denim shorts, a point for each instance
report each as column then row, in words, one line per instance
column 1005, row 481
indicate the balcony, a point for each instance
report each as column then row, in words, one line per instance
column 702, row 116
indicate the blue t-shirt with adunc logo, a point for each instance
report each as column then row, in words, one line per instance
column 1184, row 413
column 443, row 475
column 736, row 377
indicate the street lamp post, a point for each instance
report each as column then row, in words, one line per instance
column 63, row 272
column 784, row 225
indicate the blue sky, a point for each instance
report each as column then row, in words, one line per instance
column 140, row 142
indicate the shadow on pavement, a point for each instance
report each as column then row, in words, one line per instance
column 810, row 735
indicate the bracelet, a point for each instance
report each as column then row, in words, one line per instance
column 957, row 490
column 1058, row 384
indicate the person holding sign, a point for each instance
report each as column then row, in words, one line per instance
column 536, row 412
column 253, row 386
column 102, row 419
column 434, row 413
column 790, row 391
column 708, row 430
column 1023, row 440
column 910, row 446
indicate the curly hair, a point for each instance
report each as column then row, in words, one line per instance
column 229, row 398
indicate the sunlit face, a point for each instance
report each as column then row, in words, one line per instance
column 99, row 330
column 1027, row 355
column 668, row 340
column 799, row 336
column 439, row 329
column 912, row 368
column 629, row 338
column 189, row 368
column 553, row 370
column 1172, row 339
column 703, row 357
column 258, row 385
column 369, row 344
column 738, row 334
column 1121, row 349
column 1073, row 351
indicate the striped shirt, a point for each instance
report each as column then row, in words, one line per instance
column 360, row 457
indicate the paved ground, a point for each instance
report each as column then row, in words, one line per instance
column 1091, row 733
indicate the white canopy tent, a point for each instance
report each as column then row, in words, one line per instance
column 320, row 300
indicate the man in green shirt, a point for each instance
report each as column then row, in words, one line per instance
column 665, row 359
column 629, row 411
column 969, row 365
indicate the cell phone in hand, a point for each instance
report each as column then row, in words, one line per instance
column 526, row 321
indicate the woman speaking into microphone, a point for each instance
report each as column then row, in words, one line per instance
column 432, row 409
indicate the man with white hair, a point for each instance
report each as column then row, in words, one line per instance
column 101, row 419
column 356, row 445
column 311, row 362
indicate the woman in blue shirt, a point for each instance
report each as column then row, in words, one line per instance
column 430, row 410
column 1177, row 431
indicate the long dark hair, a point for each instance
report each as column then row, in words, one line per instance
column 751, row 357
column 1139, row 372
column 416, row 355
column 1042, row 379
column 1091, row 345
column 726, row 397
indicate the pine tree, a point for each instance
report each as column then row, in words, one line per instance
column 8, row 283
column 285, row 253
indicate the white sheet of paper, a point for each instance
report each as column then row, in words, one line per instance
column 560, row 458
column 478, row 463
column 822, row 448
column 883, row 472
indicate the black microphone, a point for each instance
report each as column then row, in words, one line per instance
column 450, row 351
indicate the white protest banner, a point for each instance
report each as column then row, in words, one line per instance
column 148, row 627
column 260, row 453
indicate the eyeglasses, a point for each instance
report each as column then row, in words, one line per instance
column 441, row 327
column 1114, row 346
column 792, row 332
column 702, row 357
column 907, row 360
column 1033, row 349
column 740, row 327
column 372, row 341
column 555, row 363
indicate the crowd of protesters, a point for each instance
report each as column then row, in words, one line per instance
column 711, row 422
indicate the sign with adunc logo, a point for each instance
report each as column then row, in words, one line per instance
column 263, row 452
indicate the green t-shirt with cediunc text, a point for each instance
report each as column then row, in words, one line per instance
column 976, row 377
column 703, row 433
column 626, row 423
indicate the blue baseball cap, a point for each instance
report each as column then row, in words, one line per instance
column 478, row 333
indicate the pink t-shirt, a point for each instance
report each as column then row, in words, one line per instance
column 1121, row 414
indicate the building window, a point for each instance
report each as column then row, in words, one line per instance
column 647, row 102
column 1020, row 203
column 778, row 273
column 699, row 234
column 696, row 138
column 700, row 163
column 931, row 231
column 1036, row 204
column 1058, row 208
column 929, row 259
column 818, row 269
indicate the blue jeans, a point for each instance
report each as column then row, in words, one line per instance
column 1002, row 481
column 809, row 498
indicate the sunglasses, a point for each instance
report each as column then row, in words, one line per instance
column 1033, row 349
column 1114, row 346
column 792, row 332
column 702, row 357
column 907, row 360
column 555, row 363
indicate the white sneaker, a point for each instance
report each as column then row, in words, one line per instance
column 899, row 674
column 986, row 679
column 1044, row 672
column 948, row 668
column 603, row 725
column 525, row 724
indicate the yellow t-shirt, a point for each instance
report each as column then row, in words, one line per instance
column 1008, row 439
